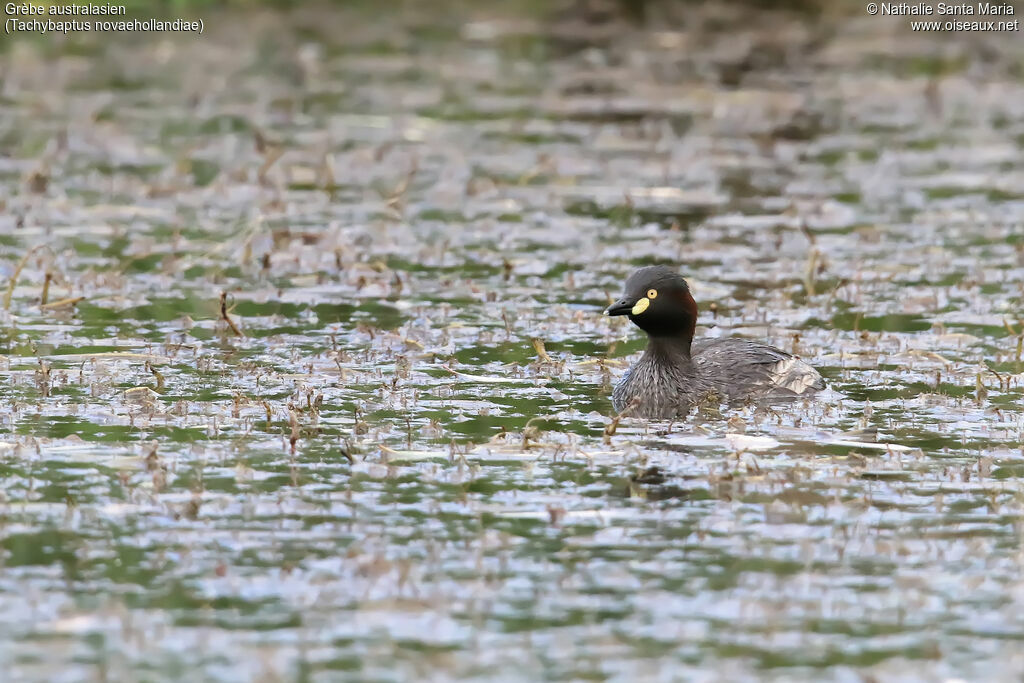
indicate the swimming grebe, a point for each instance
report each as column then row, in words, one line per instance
column 674, row 374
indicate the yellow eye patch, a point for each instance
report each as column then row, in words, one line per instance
column 643, row 304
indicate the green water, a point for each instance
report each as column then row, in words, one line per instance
column 380, row 478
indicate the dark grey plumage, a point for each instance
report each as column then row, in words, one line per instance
column 674, row 374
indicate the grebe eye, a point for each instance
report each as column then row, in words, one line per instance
column 652, row 293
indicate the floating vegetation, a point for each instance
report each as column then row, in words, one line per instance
column 304, row 374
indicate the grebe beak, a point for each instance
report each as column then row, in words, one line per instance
column 623, row 306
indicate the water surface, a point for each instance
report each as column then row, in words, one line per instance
column 385, row 455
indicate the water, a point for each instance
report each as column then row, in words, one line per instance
column 398, row 466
